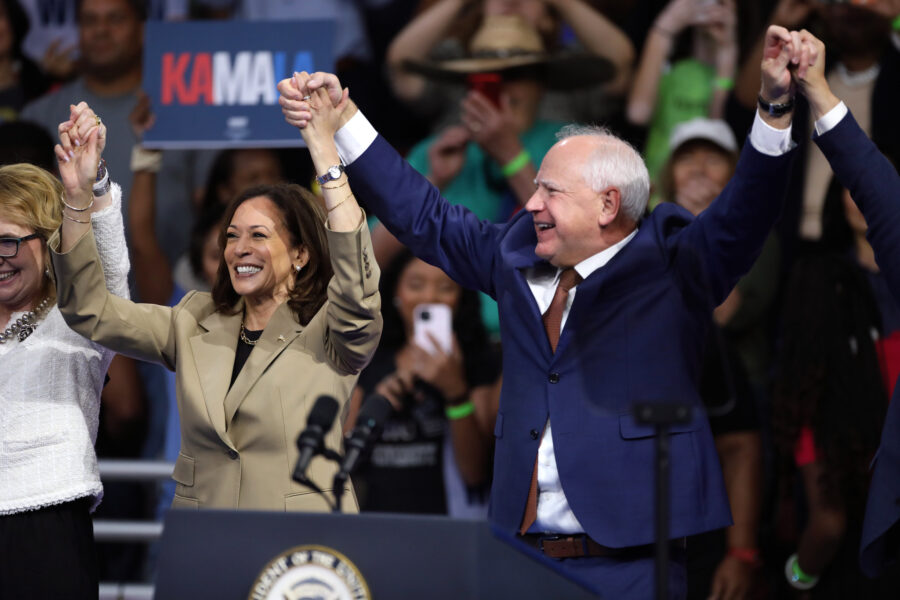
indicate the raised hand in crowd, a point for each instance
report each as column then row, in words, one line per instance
column 81, row 142
column 717, row 46
column 447, row 155
column 60, row 60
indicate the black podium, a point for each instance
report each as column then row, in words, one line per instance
column 220, row 554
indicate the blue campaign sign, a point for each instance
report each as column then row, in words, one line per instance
column 213, row 84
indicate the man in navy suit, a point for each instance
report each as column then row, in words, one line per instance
column 875, row 187
column 573, row 472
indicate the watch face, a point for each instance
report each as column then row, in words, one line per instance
column 334, row 172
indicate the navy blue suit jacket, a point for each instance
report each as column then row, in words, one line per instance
column 875, row 186
column 634, row 334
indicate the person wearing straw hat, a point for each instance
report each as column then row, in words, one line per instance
column 487, row 162
column 600, row 309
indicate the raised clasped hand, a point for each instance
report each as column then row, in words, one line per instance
column 313, row 103
column 787, row 55
column 82, row 139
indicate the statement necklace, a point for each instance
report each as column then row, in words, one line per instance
column 246, row 339
column 26, row 324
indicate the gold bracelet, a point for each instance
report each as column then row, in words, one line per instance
column 65, row 216
column 75, row 208
column 334, row 187
column 350, row 195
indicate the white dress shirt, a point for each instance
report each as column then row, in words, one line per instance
column 553, row 511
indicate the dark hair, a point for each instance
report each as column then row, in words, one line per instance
column 209, row 218
column 221, row 170
column 24, row 141
column 18, row 24
column 467, row 324
column 139, row 7
column 667, row 174
column 304, row 220
column 829, row 377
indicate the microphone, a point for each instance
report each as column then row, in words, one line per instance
column 375, row 410
column 310, row 442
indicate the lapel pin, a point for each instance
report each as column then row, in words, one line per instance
column 280, row 338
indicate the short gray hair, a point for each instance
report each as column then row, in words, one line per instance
column 614, row 163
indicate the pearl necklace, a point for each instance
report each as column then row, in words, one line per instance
column 26, row 324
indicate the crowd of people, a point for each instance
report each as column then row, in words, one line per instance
column 727, row 244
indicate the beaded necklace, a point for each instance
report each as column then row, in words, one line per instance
column 26, row 324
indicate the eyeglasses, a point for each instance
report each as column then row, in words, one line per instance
column 9, row 246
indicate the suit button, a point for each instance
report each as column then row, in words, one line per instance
column 553, row 378
column 535, row 434
column 232, row 454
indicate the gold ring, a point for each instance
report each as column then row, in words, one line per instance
column 99, row 122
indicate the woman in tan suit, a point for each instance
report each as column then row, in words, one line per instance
column 294, row 314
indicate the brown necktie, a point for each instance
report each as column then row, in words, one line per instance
column 568, row 279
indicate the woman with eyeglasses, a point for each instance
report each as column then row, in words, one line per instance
column 52, row 377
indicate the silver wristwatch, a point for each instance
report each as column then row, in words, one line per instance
column 331, row 174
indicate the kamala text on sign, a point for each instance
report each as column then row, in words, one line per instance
column 213, row 85
column 223, row 78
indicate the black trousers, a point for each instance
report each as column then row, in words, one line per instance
column 49, row 553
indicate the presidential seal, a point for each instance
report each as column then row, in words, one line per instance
column 310, row 573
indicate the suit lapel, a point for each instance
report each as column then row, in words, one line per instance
column 278, row 334
column 214, row 356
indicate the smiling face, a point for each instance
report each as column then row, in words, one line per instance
column 421, row 283
column 258, row 252
column 22, row 278
column 700, row 171
column 568, row 214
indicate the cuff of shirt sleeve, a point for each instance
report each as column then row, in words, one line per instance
column 354, row 138
column 768, row 139
column 827, row 122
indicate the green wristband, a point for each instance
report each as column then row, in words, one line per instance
column 460, row 411
column 800, row 575
column 723, row 83
column 517, row 164
column 896, row 23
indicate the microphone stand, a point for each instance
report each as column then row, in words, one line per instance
column 303, row 480
column 662, row 415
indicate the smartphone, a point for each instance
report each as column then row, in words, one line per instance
column 487, row 84
column 434, row 319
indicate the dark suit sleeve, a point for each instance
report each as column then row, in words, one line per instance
column 447, row 236
column 724, row 241
column 875, row 187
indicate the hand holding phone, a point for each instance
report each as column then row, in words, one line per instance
column 436, row 320
column 487, row 84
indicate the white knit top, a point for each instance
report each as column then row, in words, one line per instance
column 50, row 395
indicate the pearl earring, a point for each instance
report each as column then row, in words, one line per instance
column 298, row 268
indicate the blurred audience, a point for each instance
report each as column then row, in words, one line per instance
column 434, row 455
column 725, row 564
column 21, row 80
column 673, row 85
column 444, row 29
column 829, row 408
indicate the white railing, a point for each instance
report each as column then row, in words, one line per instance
column 109, row 530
